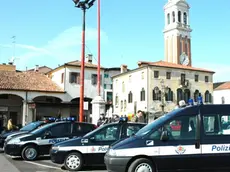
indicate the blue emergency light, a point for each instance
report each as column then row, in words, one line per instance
column 123, row 119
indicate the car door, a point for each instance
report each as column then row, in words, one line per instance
column 55, row 134
column 182, row 149
column 100, row 142
column 216, row 137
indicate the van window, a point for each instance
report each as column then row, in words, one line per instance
column 216, row 124
column 109, row 133
column 180, row 128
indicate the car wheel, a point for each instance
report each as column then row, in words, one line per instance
column 73, row 161
column 29, row 153
column 140, row 165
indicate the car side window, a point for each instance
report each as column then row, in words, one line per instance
column 216, row 124
column 81, row 129
column 109, row 133
column 61, row 130
column 180, row 128
column 132, row 129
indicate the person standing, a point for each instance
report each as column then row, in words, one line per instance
column 139, row 117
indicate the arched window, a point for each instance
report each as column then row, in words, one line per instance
column 185, row 18
column 121, row 105
column 130, row 97
column 156, row 94
column 186, row 95
column 179, row 16
column 125, row 105
column 179, row 95
column 169, row 95
column 168, row 18
column 123, row 86
column 143, row 94
column 174, row 17
column 196, row 95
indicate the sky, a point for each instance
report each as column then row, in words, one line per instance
column 49, row 33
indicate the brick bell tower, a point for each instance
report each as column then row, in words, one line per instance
column 177, row 32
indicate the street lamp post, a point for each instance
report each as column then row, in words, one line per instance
column 83, row 5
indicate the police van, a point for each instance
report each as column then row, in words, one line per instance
column 38, row 142
column 200, row 142
column 90, row 149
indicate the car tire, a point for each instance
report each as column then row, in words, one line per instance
column 73, row 161
column 29, row 153
column 141, row 164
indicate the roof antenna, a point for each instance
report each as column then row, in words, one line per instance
column 11, row 61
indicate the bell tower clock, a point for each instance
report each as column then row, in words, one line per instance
column 177, row 32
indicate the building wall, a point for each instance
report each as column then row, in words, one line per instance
column 56, row 76
column 221, row 96
column 134, row 82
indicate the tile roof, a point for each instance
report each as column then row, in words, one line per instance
column 27, row 81
column 217, row 84
column 78, row 63
column 173, row 65
column 224, row 86
column 42, row 69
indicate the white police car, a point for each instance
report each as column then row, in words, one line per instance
column 38, row 142
column 201, row 141
column 90, row 149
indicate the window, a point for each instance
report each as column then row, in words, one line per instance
column 206, row 79
column 81, row 129
column 109, row 97
column 130, row 129
column 173, row 14
column 106, row 75
column 110, row 133
column 62, row 77
column 196, row 78
column 130, row 97
column 123, row 86
column 207, row 97
column 179, row 16
column 185, row 18
column 168, row 75
column 196, row 95
column 61, row 130
column 156, row 94
column 130, row 78
column 180, row 128
column 216, row 124
column 142, row 75
column 156, row 74
column 143, row 94
column 121, row 105
column 74, row 77
column 116, row 100
column 94, row 79
column 169, row 95
column 182, row 79
column 168, row 18
column 104, row 86
column 125, row 104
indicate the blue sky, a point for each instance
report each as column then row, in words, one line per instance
column 49, row 33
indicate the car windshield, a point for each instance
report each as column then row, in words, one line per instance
column 36, row 131
column 156, row 123
column 31, row 126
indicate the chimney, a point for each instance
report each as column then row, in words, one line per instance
column 123, row 68
column 36, row 68
column 89, row 58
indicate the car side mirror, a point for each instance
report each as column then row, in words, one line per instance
column 164, row 136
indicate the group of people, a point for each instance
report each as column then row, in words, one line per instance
column 105, row 120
